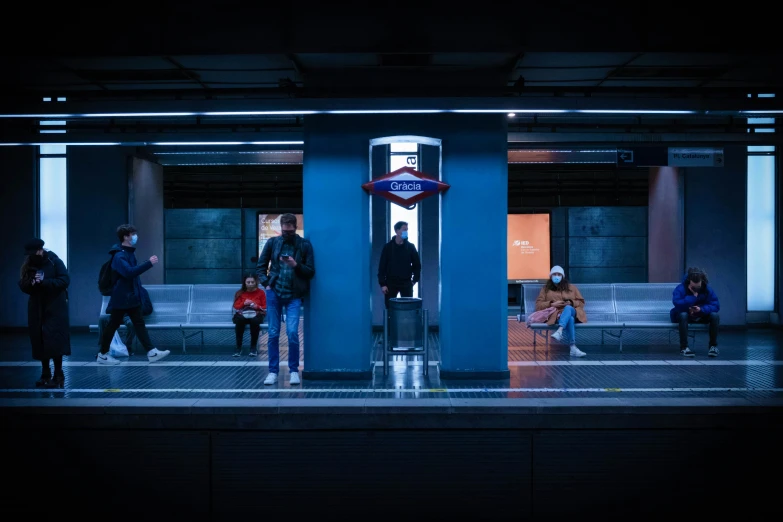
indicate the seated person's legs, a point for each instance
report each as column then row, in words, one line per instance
column 713, row 320
column 683, row 320
column 239, row 330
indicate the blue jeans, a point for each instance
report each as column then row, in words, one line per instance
column 567, row 321
column 275, row 307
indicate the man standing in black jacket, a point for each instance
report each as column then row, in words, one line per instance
column 285, row 267
column 400, row 267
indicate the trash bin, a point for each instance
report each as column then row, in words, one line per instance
column 403, row 331
column 406, row 330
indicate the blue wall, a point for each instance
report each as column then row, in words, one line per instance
column 203, row 246
column 18, row 215
column 715, row 230
column 97, row 204
column 226, row 239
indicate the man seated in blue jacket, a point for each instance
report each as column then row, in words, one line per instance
column 126, row 296
column 696, row 302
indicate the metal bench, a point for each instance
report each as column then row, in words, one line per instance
column 599, row 307
column 189, row 309
column 614, row 308
column 170, row 303
column 646, row 306
column 210, row 309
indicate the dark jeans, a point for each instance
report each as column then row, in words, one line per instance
column 404, row 291
column 130, row 333
column 115, row 321
column 713, row 319
column 255, row 329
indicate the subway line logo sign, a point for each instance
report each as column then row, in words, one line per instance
column 405, row 186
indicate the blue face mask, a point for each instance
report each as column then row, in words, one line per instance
column 134, row 239
column 405, row 234
column 556, row 279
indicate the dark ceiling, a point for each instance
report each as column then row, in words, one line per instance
column 144, row 57
column 301, row 50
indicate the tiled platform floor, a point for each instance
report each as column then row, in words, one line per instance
column 749, row 371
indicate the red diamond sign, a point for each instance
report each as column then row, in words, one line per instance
column 405, row 186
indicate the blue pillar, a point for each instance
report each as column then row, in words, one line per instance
column 337, row 319
column 473, row 228
column 473, row 279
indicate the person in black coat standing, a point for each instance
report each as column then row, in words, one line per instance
column 400, row 266
column 44, row 278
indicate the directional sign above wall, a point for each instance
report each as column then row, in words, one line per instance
column 691, row 157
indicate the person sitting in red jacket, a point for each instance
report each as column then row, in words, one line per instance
column 250, row 310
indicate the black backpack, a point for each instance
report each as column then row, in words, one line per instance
column 105, row 279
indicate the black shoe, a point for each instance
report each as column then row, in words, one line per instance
column 44, row 380
column 58, row 381
column 237, row 353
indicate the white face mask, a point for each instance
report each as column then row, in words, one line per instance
column 134, row 239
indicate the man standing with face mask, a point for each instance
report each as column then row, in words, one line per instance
column 126, row 297
column 400, row 266
column 284, row 269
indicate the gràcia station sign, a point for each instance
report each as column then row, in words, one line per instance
column 405, row 186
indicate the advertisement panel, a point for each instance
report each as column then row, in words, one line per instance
column 269, row 226
column 528, row 248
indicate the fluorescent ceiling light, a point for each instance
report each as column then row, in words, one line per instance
column 229, row 152
column 370, row 111
column 228, row 143
column 68, row 144
column 516, row 111
column 631, row 111
column 390, row 111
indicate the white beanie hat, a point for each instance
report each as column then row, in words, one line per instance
column 557, row 269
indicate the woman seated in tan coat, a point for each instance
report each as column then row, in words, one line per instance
column 569, row 307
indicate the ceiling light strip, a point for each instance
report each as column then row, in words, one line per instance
column 394, row 111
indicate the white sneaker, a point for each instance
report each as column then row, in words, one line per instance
column 105, row 358
column 294, row 379
column 519, row 318
column 271, row 379
column 576, row 352
column 156, row 355
column 558, row 336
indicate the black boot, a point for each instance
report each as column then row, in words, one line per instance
column 44, row 380
column 58, row 381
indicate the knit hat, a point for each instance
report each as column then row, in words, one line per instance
column 556, row 270
column 33, row 246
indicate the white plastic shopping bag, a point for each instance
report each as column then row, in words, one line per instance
column 118, row 348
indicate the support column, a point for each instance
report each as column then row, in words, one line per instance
column 145, row 211
column 473, row 259
column 472, row 241
column 665, row 225
column 337, row 319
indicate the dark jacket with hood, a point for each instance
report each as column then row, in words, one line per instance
column 127, row 291
column 268, row 267
column 683, row 299
column 400, row 264
column 47, row 308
